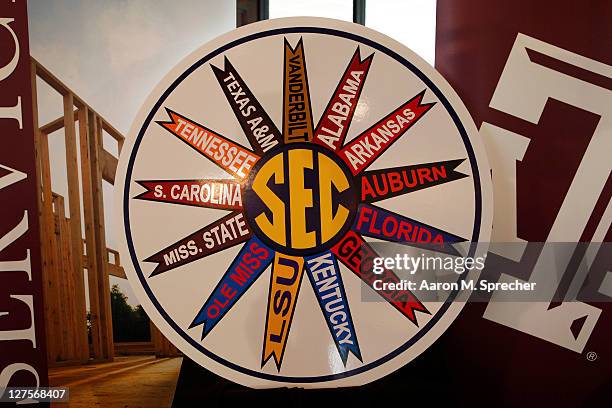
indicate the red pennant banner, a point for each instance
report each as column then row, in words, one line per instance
column 230, row 156
column 226, row 232
column 333, row 127
column 358, row 256
column 372, row 143
column 212, row 193
column 377, row 185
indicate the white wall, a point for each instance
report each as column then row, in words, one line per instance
column 112, row 53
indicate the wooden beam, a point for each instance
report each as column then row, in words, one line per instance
column 49, row 255
column 74, row 199
column 88, row 165
column 73, row 273
column 109, row 166
column 82, row 333
column 37, row 147
column 56, row 124
column 116, row 256
column 116, row 270
column 48, row 241
column 163, row 348
column 62, row 229
column 55, row 83
column 103, row 287
column 133, row 348
column 43, row 182
column 114, row 133
column 156, row 339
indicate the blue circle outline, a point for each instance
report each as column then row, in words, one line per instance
column 292, row 30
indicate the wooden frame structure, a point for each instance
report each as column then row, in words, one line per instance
column 65, row 254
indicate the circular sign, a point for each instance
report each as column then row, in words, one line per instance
column 254, row 181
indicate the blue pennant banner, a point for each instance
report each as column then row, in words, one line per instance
column 324, row 274
column 253, row 259
column 379, row 223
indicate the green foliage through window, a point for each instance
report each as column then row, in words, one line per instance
column 129, row 323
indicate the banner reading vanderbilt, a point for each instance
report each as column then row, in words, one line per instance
column 253, row 180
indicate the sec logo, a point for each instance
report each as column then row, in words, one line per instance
column 256, row 175
column 318, row 191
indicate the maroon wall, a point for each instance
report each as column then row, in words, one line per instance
column 473, row 41
column 20, row 296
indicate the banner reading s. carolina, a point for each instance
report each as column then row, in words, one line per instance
column 23, row 361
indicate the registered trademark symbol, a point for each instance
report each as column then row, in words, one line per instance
column 591, row 356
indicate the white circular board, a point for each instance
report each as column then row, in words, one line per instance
column 256, row 174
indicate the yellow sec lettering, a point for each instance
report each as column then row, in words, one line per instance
column 300, row 198
column 331, row 176
column 274, row 229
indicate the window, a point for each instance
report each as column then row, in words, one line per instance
column 338, row 9
column 413, row 23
